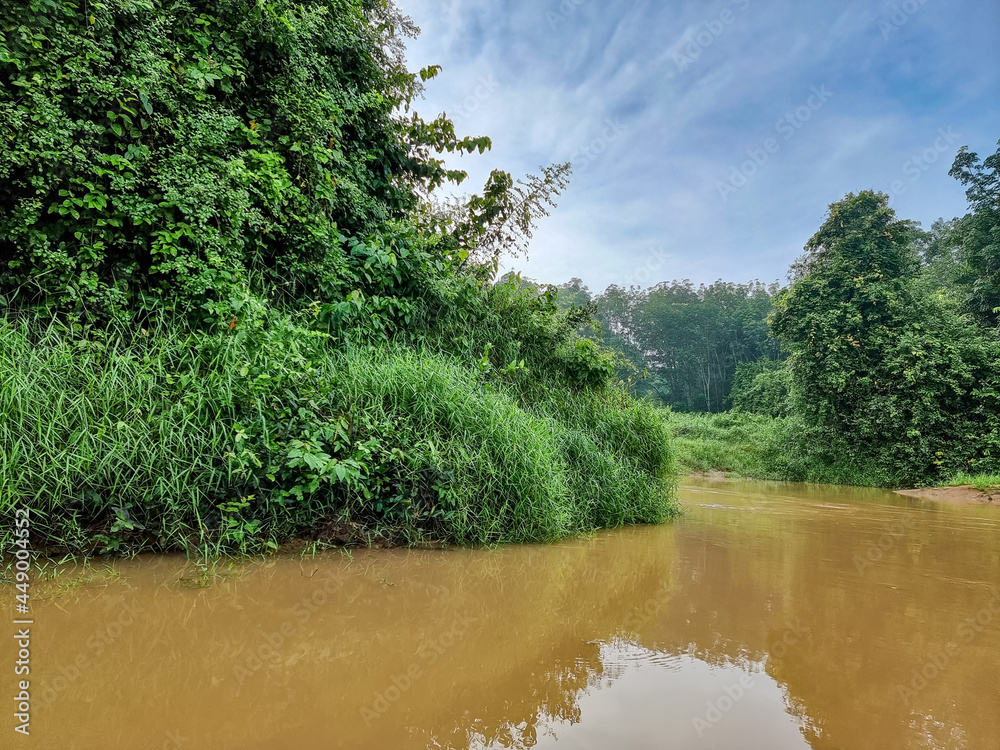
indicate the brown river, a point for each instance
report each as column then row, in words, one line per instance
column 769, row 617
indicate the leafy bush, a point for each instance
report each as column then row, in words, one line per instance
column 186, row 151
column 896, row 380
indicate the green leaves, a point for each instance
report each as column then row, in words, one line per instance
column 888, row 369
column 267, row 133
column 431, row 71
column 145, row 102
column 316, row 467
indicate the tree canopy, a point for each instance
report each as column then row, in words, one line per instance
column 898, row 378
column 978, row 234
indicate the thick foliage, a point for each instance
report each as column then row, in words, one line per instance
column 516, row 332
column 235, row 316
column 244, row 439
column 181, row 150
column 897, row 379
column 978, row 234
column 762, row 387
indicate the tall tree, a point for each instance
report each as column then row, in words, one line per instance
column 979, row 233
column 897, row 377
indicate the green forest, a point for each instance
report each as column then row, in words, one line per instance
column 877, row 364
column 237, row 310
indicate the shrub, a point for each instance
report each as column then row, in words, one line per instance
column 175, row 152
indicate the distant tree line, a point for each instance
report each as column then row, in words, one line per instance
column 682, row 345
column 884, row 344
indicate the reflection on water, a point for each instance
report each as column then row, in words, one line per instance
column 647, row 699
column 771, row 616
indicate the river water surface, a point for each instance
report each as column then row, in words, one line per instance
column 770, row 617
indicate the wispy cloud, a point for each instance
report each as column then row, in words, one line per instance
column 654, row 182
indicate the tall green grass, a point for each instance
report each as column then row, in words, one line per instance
column 982, row 482
column 768, row 448
column 85, row 426
column 238, row 441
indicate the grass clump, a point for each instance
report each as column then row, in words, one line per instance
column 756, row 446
column 982, row 482
column 239, row 441
column 450, row 451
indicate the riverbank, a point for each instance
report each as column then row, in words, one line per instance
column 220, row 442
column 752, row 446
column 964, row 494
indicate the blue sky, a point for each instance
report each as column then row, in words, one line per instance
column 709, row 138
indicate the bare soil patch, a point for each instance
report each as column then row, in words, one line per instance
column 965, row 494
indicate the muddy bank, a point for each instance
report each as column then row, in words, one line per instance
column 965, row 494
column 713, row 474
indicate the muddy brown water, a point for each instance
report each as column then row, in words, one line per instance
column 771, row 616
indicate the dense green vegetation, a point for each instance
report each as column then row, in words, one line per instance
column 896, row 377
column 757, row 446
column 879, row 364
column 690, row 341
column 235, row 313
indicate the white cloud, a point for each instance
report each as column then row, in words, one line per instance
column 654, row 183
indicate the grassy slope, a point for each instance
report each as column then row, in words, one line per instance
column 760, row 447
column 778, row 449
column 239, row 442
